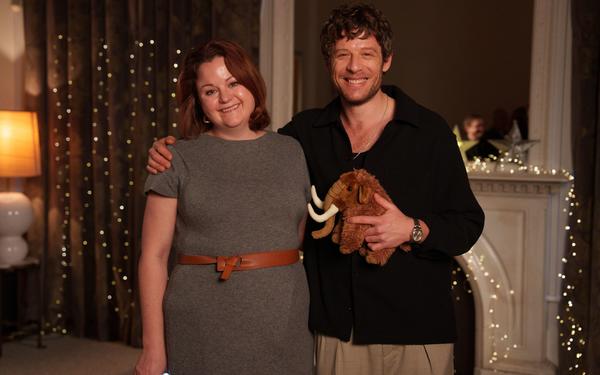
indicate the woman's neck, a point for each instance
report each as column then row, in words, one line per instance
column 236, row 134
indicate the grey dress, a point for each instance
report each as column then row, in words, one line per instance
column 236, row 197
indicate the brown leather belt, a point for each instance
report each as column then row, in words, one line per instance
column 243, row 262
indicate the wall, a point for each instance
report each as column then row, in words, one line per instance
column 453, row 57
column 12, row 48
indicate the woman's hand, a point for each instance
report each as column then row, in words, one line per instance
column 151, row 362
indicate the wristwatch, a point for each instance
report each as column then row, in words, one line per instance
column 417, row 232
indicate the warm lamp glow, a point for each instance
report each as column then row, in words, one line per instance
column 19, row 144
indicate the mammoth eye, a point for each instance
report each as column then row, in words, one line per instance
column 350, row 188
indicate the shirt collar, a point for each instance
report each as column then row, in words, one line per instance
column 407, row 110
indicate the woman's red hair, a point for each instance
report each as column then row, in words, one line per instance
column 239, row 65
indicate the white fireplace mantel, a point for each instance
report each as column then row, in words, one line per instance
column 518, row 183
column 513, row 271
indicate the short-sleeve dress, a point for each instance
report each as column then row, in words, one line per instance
column 236, row 197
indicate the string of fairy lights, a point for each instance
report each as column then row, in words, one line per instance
column 101, row 189
column 575, row 339
column 60, row 151
column 496, row 332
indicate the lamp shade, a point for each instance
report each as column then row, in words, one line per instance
column 19, row 144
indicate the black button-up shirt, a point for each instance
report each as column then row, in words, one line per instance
column 417, row 161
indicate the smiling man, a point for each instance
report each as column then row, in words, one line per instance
column 397, row 318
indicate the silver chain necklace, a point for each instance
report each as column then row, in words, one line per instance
column 366, row 146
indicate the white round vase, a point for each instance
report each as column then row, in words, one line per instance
column 16, row 215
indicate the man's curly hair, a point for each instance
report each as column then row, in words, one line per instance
column 352, row 21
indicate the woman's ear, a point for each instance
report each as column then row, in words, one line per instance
column 364, row 194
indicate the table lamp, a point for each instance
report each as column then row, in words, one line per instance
column 19, row 157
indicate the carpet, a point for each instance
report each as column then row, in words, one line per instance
column 67, row 355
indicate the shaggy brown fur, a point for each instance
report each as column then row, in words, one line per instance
column 353, row 194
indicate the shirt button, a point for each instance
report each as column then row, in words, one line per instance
column 349, row 308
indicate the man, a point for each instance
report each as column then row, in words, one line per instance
column 474, row 128
column 395, row 319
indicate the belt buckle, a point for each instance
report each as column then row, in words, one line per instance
column 222, row 262
column 225, row 267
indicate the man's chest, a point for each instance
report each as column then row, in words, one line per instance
column 402, row 162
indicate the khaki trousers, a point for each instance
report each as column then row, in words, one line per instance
column 336, row 357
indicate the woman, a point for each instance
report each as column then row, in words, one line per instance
column 233, row 189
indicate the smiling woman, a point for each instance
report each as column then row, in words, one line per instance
column 219, row 90
column 234, row 199
column 226, row 103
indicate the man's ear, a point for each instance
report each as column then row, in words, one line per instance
column 387, row 64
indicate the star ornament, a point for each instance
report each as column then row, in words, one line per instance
column 462, row 144
column 513, row 143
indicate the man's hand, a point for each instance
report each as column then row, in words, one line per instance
column 392, row 229
column 159, row 155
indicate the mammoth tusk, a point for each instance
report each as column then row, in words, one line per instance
column 317, row 201
column 324, row 216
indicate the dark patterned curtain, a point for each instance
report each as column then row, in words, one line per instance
column 580, row 319
column 102, row 76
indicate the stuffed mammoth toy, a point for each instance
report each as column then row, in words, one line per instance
column 351, row 195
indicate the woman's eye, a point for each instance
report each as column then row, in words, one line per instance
column 233, row 84
column 209, row 92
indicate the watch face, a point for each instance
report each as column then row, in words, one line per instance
column 417, row 234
